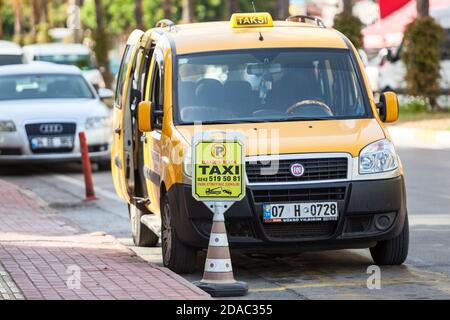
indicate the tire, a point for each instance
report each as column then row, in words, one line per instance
column 142, row 235
column 104, row 165
column 177, row 256
column 394, row 251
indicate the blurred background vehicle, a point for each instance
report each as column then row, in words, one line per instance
column 392, row 70
column 69, row 54
column 43, row 107
column 10, row 53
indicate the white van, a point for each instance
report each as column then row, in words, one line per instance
column 10, row 53
column 393, row 71
column 69, row 54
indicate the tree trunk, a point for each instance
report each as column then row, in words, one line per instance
column 101, row 47
column 34, row 18
column 99, row 15
column 138, row 14
column 423, row 8
column 283, row 9
column 1, row 21
column 17, row 8
column 348, row 7
column 232, row 7
column 188, row 11
column 43, row 6
column 167, row 8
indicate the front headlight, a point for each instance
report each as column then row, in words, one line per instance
column 187, row 163
column 97, row 122
column 7, row 126
column 378, row 157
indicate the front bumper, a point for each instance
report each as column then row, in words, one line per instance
column 361, row 204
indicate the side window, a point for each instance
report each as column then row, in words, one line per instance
column 122, row 76
column 157, row 86
column 157, row 89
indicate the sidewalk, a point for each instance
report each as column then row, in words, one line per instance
column 41, row 257
column 426, row 134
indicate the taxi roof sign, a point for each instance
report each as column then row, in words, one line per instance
column 249, row 20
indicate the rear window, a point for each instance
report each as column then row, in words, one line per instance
column 44, row 86
column 10, row 59
column 82, row 61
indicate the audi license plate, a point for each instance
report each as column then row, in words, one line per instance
column 300, row 212
column 52, row 143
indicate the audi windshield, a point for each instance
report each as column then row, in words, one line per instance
column 44, row 86
column 265, row 85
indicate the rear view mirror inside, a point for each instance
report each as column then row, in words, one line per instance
column 258, row 69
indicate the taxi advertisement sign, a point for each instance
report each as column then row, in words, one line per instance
column 218, row 170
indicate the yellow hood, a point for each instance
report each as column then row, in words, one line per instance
column 302, row 136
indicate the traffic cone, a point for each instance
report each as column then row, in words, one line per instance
column 218, row 279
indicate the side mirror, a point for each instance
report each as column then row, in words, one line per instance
column 388, row 107
column 145, row 116
column 105, row 93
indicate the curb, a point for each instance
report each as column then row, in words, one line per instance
column 420, row 138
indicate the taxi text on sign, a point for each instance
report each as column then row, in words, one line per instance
column 218, row 170
column 248, row 20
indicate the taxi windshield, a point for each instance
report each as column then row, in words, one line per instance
column 267, row 85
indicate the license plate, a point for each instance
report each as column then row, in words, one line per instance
column 52, row 143
column 300, row 212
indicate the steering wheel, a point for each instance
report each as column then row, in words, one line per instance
column 304, row 103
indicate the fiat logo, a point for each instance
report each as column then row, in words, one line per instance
column 51, row 128
column 297, row 170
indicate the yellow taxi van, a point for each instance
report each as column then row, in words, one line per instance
column 322, row 172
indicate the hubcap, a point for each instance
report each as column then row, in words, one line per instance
column 166, row 234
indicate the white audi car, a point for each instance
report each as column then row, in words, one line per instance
column 43, row 107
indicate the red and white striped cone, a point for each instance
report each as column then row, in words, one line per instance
column 218, row 279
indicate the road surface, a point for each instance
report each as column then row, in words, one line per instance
column 324, row 275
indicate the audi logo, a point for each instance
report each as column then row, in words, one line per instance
column 51, row 128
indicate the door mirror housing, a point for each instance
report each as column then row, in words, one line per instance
column 145, row 116
column 388, row 107
column 105, row 93
column 149, row 116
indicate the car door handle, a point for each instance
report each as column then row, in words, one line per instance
column 117, row 131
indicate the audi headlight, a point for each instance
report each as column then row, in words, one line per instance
column 7, row 126
column 378, row 157
column 187, row 163
column 97, row 122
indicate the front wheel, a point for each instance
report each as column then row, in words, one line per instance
column 394, row 251
column 177, row 256
column 142, row 235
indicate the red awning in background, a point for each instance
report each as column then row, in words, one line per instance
column 389, row 6
column 388, row 32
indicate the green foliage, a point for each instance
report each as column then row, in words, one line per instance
column 413, row 106
column 7, row 20
column 351, row 27
column 421, row 55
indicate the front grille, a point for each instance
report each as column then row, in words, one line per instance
column 299, row 195
column 314, row 170
column 300, row 230
column 34, row 129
